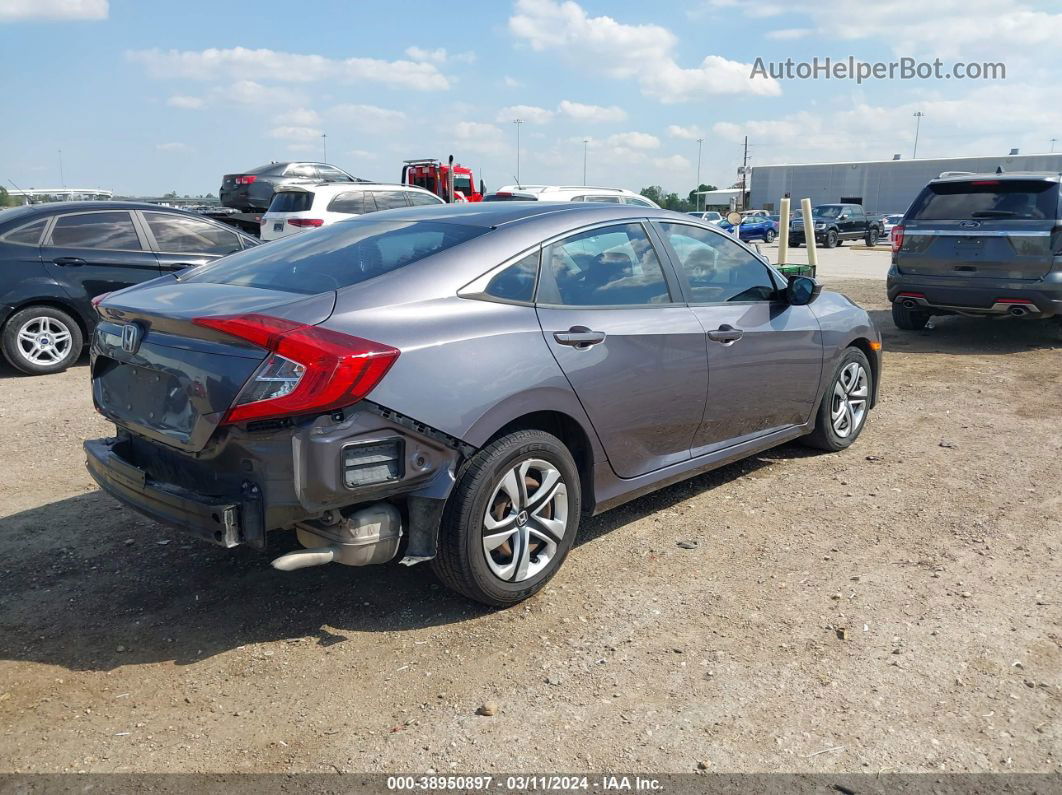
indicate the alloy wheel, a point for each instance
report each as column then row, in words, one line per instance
column 851, row 394
column 44, row 341
column 525, row 520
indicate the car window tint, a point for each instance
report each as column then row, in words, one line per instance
column 610, row 266
column 352, row 202
column 642, row 203
column 517, row 282
column 417, row 198
column 609, row 199
column 390, row 199
column 330, row 174
column 291, row 201
column 180, row 235
column 987, row 199
column 300, row 170
column 30, row 234
column 335, row 256
column 717, row 268
column 113, row 230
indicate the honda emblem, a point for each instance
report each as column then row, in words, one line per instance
column 130, row 338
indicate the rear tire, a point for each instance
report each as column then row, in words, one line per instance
column 908, row 319
column 40, row 340
column 510, row 520
column 769, row 236
column 845, row 404
column 872, row 238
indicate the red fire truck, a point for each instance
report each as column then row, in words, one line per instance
column 450, row 181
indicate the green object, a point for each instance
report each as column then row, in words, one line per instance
column 797, row 270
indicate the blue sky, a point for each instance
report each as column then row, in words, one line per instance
column 146, row 97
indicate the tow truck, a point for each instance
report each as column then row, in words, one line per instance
column 451, row 181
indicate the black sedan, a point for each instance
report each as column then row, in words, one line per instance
column 252, row 190
column 55, row 258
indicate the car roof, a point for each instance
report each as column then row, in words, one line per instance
column 496, row 214
column 1049, row 176
column 339, row 187
column 31, row 211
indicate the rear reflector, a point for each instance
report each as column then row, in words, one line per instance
column 311, row 370
column 1013, row 301
column 910, row 295
column 306, row 222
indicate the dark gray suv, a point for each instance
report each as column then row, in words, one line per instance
column 985, row 245
column 462, row 383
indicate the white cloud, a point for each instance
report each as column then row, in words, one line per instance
column 644, row 53
column 53, row 10
column 185, row 102
column 361, row 154
column 511, row 82
column 528, row 113
column 295, row 133
column 691, row 133
column 173, row 146
column 788, row 34
column 300, row 117
column 368, row 118
column 249, row 92
column 634, row 140
column 676, row 163
column 476, row 136
column 592, row 113
column 440, row 55
column 286, row 67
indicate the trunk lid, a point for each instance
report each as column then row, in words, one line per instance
column 982, row 228
column 160, row 375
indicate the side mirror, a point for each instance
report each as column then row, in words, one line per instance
column 802, row 290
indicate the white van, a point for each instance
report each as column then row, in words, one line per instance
column 297, row 208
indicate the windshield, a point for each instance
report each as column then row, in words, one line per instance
column 463, row 183
column 334, row 256
column 1027, row 199
column 826, row 211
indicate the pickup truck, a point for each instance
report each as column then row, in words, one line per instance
column 836, row 223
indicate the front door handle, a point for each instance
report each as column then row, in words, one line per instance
column 69, row 261
column 725, row 334
column 579, row 337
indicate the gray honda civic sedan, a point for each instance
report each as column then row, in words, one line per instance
column 462, row 384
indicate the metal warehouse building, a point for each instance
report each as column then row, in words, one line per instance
column 881, row 186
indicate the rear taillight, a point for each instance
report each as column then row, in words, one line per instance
column 247, row 180
column 310, row 370
column 303, row 223
column 897, row 237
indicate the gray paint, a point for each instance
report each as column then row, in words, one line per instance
column 885, row 186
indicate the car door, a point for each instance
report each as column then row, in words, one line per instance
column 612, row 316
column 857, row 222
column 764, row 356
column 181, row 241
column 95, row 252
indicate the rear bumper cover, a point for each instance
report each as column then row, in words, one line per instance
column 1042, row 298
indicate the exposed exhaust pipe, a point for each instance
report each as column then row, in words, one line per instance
column 909, row 303
column 364, row 537
column 1017, row 311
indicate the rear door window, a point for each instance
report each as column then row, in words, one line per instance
column 417, row 199
column 353, row 202
column 180, row 235
column 330, row 174
column 390, row 199
column 106, row 230
column 987, row 199
column 335, row 256
column 301, row 170
column 29, row 235
column 291, row 201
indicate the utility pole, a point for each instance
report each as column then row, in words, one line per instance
column 586, row 145
column 324, row 146
column 518, row 122
column 698, row 200
column 744, row 172
column 918, row 124
column 62, row 179
column 1053, row 140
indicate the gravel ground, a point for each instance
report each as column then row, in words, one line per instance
column 893, row 607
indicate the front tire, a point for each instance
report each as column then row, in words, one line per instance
column 908, row 319
column 845, row 405
column 511, row 519
column 40, row 340
column 769, row 236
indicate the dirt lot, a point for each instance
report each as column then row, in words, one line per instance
column 933, row 543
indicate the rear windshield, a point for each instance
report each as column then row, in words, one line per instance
column 334, row 256
column 509, row 197
column 986, row 199
column 291, row 201
column 268, row 168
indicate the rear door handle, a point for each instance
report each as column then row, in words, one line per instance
column 725, row 334
column 579, row 337
column 69, row 261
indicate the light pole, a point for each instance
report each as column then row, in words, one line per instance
column 586, row 149
column 324, row 147
column 1053, row 140
column 62, row 179
column 918, row 124
column 698, row 188
column 518, row 122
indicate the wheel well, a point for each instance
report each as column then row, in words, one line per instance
column 62, row 307
column 568, row 431
column 863, row 344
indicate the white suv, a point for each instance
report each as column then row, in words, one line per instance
column 298, row 208
column 570, row 193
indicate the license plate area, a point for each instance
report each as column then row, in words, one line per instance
column 146, row 396
column 278, row 226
